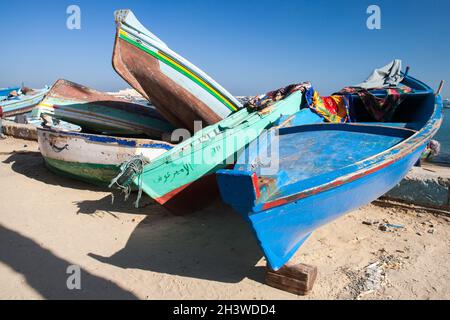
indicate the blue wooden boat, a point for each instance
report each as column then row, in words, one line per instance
column 321, row 171
column 5, row 92
column 22, row 103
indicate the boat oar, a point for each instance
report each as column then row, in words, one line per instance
column 441, row 85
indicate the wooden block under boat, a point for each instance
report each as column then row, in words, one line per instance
column 294, row 278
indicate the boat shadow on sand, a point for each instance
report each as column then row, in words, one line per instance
column 32, row 165
column 47, row 274
column 212, row 244
column 117, row 204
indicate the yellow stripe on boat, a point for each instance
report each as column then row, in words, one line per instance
column 165, row 58
column 198, row 79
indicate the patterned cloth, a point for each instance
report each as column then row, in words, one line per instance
column 332, row 109
column 381, row 109
column 336, row 108
column 432, row 150
column 263, row 101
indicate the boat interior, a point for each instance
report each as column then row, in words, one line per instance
column 412, row 113
column 325, row 151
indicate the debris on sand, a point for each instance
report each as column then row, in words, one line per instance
column 369, row 222
column 384, row 226
column 372, row 278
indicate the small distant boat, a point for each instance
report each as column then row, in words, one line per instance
column 180, row 91
column 100, row 112
column 93, row 158
column 23, row 102
column 5, row 92
column 180, row 178
column 321, row 171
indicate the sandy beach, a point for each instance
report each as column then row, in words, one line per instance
column 48, row 223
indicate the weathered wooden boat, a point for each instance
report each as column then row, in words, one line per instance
column 322, row 171
column 179, row 90
column 180, row 178
column 5, row 92
column 93, row 158
column 22, row 103
column 100, row 112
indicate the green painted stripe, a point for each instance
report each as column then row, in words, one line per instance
column 98, row 174
column 169, row 63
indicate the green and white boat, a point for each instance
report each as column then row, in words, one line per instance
column 182, row 178
column 93, row 158
column 179, row 90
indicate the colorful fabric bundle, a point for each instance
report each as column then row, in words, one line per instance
column 381, row 109
column 332, row 109
column 261, row 102
column 432, row 150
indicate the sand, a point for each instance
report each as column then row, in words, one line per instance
column 48, row 223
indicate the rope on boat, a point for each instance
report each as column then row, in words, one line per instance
column 128, row 171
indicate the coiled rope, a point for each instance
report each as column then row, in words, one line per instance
column 129, row 170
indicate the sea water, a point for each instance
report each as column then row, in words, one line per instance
column 443, row 136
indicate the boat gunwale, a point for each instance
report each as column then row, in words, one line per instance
column 101, row 139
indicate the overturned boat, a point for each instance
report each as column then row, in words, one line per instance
column 321, row 171
column 180, row 91
column 100, row 112
column 93, row 158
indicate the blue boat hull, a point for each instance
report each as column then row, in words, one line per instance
column 282, row 230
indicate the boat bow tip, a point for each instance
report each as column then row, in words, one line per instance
column 127, row 17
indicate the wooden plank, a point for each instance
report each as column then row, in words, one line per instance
column 298, row 279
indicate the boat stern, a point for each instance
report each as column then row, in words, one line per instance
column 239, row 189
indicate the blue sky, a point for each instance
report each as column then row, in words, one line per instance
column 248, row 46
